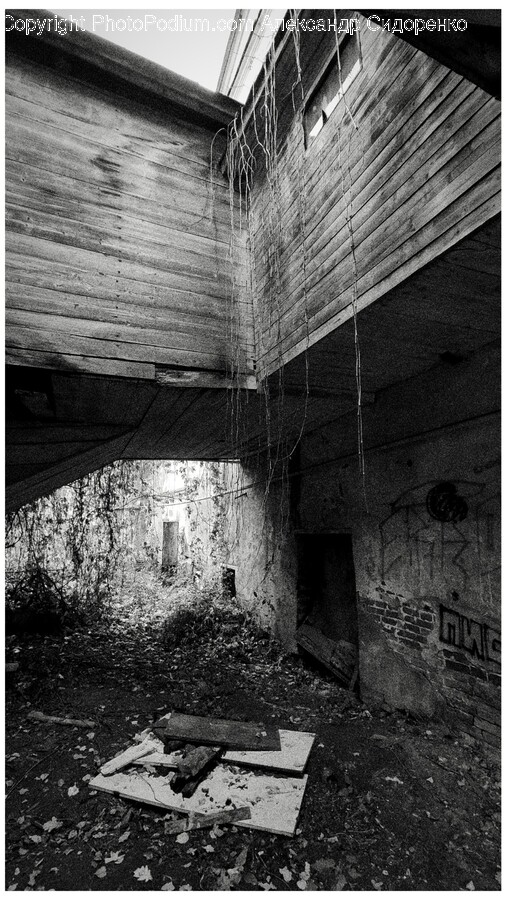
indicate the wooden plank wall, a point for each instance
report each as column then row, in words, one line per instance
column 117, row 238
column 415, row 171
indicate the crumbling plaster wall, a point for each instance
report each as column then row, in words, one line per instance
column 261, row 548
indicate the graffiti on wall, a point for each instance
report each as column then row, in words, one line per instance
column 479, row 640
column 457, row 546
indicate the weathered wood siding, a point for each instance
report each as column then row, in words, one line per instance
column 371, row 200
column 117, row 237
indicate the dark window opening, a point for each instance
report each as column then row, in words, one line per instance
column 228, row 581
column 331, row 87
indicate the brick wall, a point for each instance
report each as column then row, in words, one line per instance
column 458, row 654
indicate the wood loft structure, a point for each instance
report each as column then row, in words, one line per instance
column 137, row 308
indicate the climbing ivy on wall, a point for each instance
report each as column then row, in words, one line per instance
column 83, row 541
column 80, row 536
column 206, row 510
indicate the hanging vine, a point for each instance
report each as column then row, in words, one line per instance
column 263, row 215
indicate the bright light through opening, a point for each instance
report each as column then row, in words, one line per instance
column 190, row 42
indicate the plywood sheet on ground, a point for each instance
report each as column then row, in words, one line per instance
column 274, row 801
column 292, row 757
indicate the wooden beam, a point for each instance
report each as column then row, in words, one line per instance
column 474, row 52
column 197, row 378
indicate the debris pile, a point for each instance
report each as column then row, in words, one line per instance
column 213, row 775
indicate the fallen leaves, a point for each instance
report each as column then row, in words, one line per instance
column 52, row 825
column 302, row 883
column 333, row 829
column 114, row 857
column 33, row 876
column 143, row 873
column 323, row 865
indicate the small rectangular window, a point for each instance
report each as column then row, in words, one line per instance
column 331, row 87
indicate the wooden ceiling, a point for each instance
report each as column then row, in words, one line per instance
column 61, row 425
column 119, row 279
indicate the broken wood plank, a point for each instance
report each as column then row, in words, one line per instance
column 222, row 732
column 157, row 758
column 196, row 820
column 274, row 801
column 340, row 657
column 193, row 767
column 57, row 720
column 128, row 756
column 192, row 762
column 291, row 758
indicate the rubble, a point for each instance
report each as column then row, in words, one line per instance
column 205, row 783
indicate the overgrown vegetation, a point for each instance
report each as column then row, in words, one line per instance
column 211, row 616
column 64, row 552
column 92, row 550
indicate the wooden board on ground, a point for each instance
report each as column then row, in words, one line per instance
column 340, row 657
column 196, row 821
column 292, row 757
column 169, row 760
column 222, row 732
column 128, row 756
column 274, row 801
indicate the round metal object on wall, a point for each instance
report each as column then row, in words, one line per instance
column 445, row 504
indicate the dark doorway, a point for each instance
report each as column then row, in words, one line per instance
column 228, row 581
column 326, row 585
column 170, row 545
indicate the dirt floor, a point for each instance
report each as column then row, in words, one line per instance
column 391, row 803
